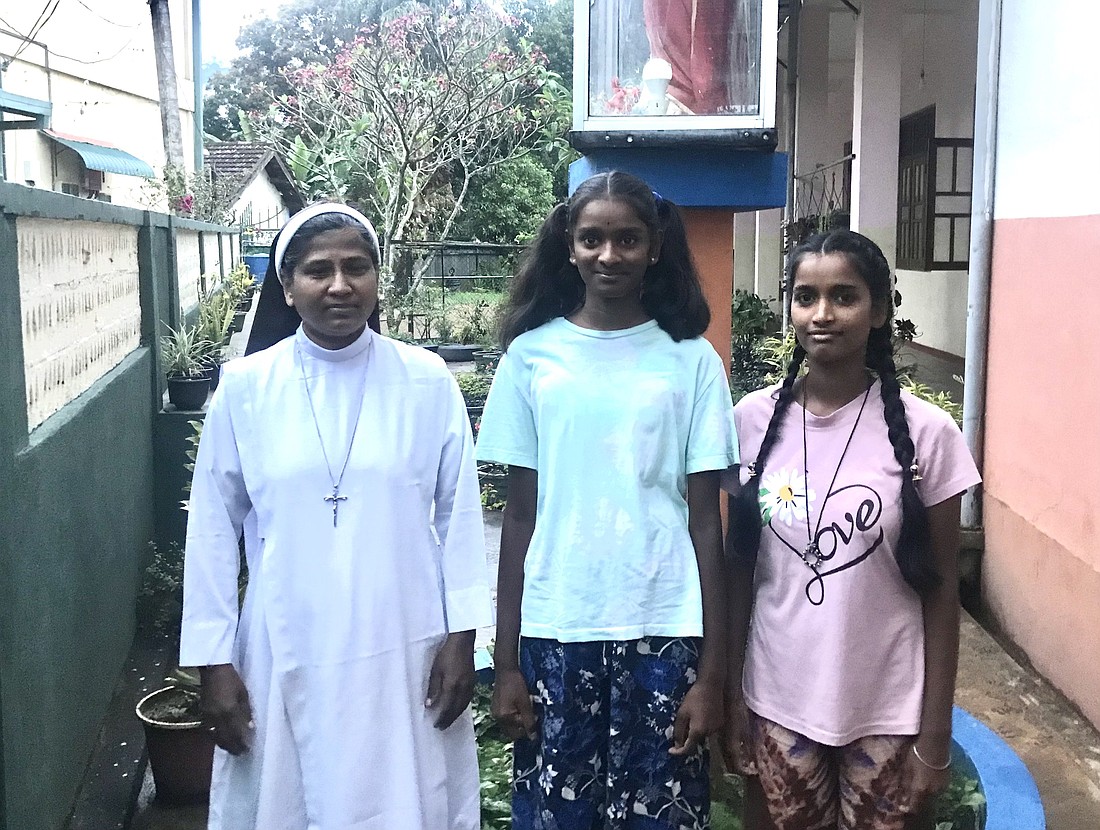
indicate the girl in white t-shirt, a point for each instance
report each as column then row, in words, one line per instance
column 844, row 532
column 614, row 417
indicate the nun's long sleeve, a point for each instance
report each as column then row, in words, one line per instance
column 459, row 525
column 219, row 503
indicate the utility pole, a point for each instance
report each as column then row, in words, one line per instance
column 166, row 83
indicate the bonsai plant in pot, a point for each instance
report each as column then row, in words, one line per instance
column 184, row 356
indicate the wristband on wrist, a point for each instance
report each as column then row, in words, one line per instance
column 931, row 766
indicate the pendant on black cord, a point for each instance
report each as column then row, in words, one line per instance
column 811, row 555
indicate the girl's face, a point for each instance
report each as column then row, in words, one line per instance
column 334, row 288
column 831, row 309
column 612, row 248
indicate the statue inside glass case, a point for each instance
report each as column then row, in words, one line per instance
column 691, row 37
column 674, row 57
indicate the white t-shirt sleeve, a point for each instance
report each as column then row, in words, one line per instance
column 507, row 434
column 712, row 438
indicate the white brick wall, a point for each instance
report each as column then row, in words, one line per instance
column 79, row 292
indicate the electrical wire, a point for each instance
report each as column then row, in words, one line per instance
column 121, row 49
column 105, row 20
column 38, row 25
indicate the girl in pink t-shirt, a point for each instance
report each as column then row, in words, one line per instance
column 844, row 524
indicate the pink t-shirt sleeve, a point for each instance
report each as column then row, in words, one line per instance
column 944, row 462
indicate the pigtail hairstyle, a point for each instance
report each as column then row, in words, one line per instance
column 548, row 285
column 671, row 294
column 914, row 549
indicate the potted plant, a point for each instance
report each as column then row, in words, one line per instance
column 216, row 315
column 184, row 355
column 469, row 325
column 486, row 359
column 474, row 387
column 240, row 285
column 180, row 747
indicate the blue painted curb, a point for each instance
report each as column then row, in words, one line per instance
column 1012, row 799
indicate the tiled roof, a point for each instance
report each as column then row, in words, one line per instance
column 243, row 160
column 236, row 159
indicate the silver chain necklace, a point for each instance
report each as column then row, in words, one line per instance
column 335, row 496
column 811, row 554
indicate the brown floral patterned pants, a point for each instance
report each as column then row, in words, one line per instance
column 811, row 786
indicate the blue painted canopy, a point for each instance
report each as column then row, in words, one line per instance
column 102, row 157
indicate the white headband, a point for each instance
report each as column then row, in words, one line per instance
column 301, row 217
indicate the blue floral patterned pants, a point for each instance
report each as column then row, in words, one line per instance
column 606, row 712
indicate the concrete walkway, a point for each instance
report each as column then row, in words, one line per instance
column 1059, row 746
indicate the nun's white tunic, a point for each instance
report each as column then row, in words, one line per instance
column 340, row 624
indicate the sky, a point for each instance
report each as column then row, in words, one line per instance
column 222, row 21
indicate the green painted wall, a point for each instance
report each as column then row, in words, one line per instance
column 78, row 521
column 77, row 511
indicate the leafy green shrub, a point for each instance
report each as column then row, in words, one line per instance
column 474, row 387
column 494, row 759
column 752, row 317
column 160, row 598
column 473, row 323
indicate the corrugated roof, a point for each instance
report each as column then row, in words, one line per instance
column 98, row 155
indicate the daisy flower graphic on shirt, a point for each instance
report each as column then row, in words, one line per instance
column 783, row 496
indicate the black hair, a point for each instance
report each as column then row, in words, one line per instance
column 310, row 230
column 913, row 552
column 274, row 320
column 547, row 285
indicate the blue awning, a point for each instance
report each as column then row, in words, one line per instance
column 102, row 157
column 33, row 113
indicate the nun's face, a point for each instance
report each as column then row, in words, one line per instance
column 334, row 288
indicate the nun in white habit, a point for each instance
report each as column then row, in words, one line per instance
column 339, row 694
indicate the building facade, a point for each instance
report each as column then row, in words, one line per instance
column 88, row 72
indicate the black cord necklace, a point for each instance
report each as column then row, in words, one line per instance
column 811, row 554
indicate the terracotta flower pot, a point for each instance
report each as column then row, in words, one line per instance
column 181, row 754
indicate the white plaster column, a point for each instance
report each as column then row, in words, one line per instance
column 744, row 251
column 876, row 114
column 769, row 255
column 813, row 89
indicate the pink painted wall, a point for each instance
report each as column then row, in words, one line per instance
column 1041, row 570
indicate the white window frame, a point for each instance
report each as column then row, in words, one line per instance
column 765, row 119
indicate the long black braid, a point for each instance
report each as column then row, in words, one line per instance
column 914, row 548
column 744, row 514
column 913, row 551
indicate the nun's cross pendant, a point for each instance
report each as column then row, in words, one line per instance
column 335, row 498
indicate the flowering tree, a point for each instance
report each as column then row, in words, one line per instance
column 409, row 113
